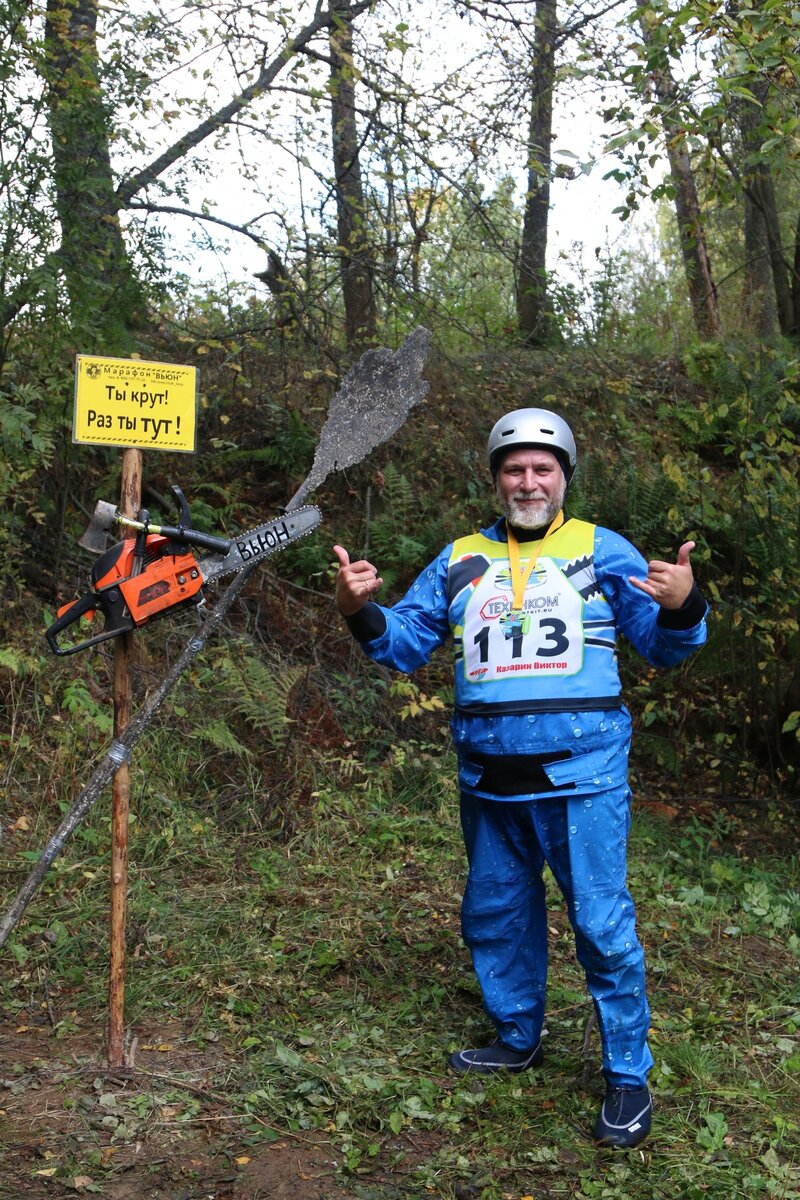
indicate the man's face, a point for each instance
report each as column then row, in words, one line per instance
column 530, row 487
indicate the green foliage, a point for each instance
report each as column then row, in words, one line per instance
column 26, row 450
column 220, row 736
column 292, row 447
column 395, row 533
column 10, row 660
column 83, row 707
column 721, row 470
column 289, row 447
column 459, row 274
column 257, row 687
column 635, row 298
column 720, row 92
column 748, row 521
column 627, row 495
column 417, row 701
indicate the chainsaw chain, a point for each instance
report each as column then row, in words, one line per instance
column 207, row 564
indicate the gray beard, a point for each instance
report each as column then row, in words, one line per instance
column 541, row 516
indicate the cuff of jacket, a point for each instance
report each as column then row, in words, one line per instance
column 368, row 623
column 691, row 612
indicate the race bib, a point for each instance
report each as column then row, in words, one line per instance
column 545, row 635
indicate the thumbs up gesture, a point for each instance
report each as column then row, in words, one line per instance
column 669, row 584
column 356, row 583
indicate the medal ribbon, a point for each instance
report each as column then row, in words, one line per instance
column 520, row 576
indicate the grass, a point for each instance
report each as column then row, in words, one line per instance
column 318, row 972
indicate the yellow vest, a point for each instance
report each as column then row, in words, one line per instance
column 557, row 654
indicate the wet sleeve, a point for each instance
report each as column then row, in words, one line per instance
column 414, row 627
column 664, row 637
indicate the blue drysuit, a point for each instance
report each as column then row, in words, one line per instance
column 542, row 739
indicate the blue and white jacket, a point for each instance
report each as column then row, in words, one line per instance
column 538, row 705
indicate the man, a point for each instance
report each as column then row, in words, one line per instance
column 534, row 605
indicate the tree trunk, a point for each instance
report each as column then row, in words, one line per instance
column 796, row 275
column 534, row 315
column 88, row 204
column 357, row 267
column 106, row 302
column 288, row 307
column 761, row 195
column 759, row 294
column 759, row 312
column 702, row 292
column 763, row 239
column 781, row 269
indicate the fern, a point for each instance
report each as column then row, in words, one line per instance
column 11, row 661
column 292, row 446
column 259, row 689
column 392, row 543
column 221, row 737
column 623, row 495
column 398, row 494
column 289, row 448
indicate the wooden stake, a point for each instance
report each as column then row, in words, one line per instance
column 130, row 503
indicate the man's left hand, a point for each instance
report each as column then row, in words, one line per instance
column 669, row 584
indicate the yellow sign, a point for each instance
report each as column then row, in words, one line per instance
column 125, row 402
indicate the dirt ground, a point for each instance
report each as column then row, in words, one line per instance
column 66, row 1129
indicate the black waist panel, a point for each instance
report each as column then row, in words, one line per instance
column 516, row 774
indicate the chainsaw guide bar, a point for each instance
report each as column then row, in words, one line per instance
column 261, row 542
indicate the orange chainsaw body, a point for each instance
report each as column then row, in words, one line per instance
column 170, row 576
column 131, row 592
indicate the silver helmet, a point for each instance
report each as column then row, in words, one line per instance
column 533, row 428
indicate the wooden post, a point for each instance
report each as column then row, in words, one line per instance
column 130, row 503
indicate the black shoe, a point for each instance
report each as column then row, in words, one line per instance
column 625, row 1117
column 489, row 1060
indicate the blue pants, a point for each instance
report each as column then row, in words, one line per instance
column 583, row 839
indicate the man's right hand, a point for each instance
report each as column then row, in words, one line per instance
column 356, row 583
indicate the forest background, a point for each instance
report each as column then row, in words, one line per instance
column 264, row 191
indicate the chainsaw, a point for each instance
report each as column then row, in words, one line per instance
column 156, row 570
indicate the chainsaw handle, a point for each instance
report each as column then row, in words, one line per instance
column 176, row 533
column 85, row 604
column 193, row 537
column 67, row 617
column 183, row 531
